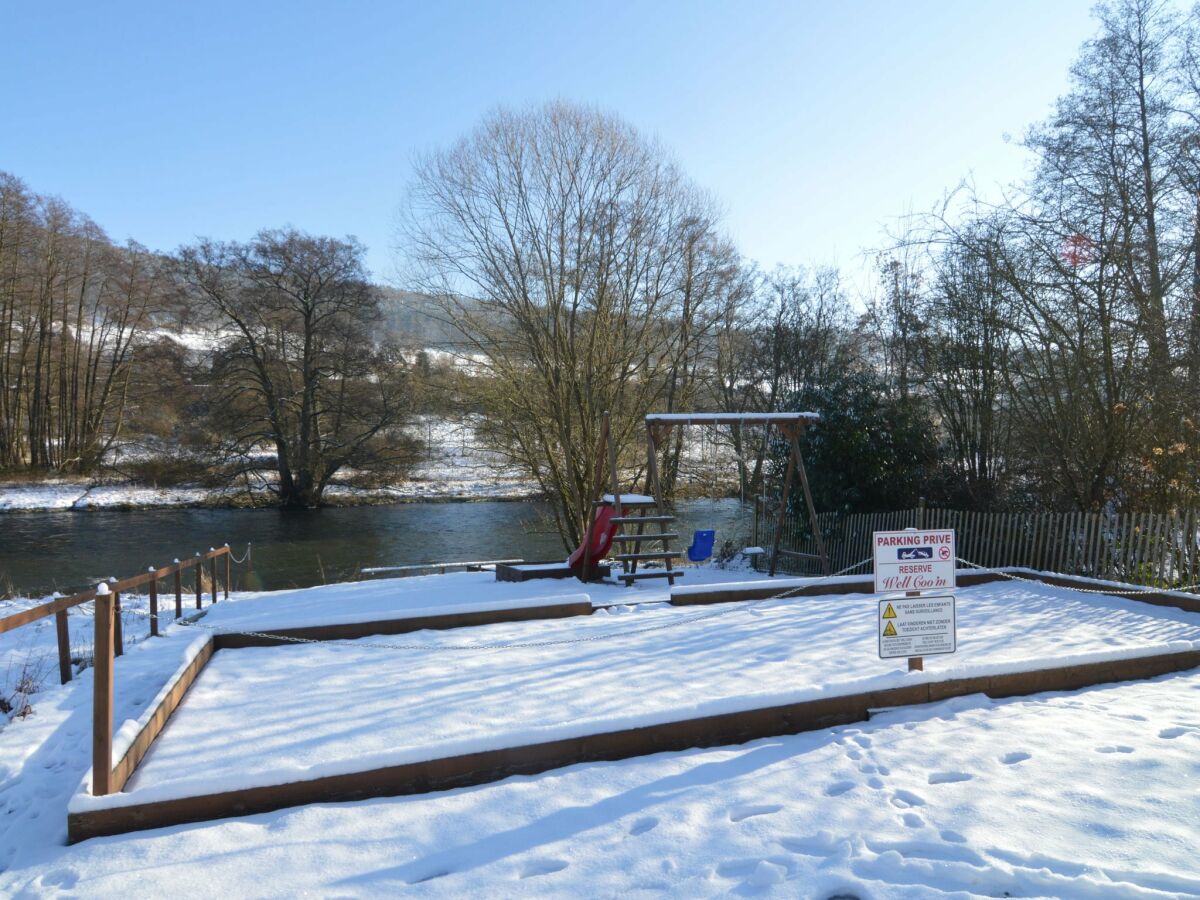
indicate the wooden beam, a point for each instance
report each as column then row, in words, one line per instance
column 63, row 634
column 444, row 621
column 102, row 696
column 158, row 719
column 787, row 492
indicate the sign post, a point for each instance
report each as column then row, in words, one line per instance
column 916, row 626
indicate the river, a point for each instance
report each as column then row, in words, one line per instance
column 68, row 551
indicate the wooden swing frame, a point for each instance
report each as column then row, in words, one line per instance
column 791, row 425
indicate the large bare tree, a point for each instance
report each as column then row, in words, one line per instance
column 581, row 269
column 299, row 367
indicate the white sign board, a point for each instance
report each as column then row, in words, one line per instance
column 914, row 560
column 917, row 626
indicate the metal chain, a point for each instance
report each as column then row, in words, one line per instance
column 243, row 559
column 608, row 635
column 1111, row 591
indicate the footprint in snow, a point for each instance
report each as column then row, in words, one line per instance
column 64, row 879
column 1172, row 733
column 641, row 826
column 904, row 799
column 546, row 866
column 838, row 788
column 741, row 813
column 1017, row 756
column 912, row 820
column 949, row 777
column 1117, row 748
column 953, row 837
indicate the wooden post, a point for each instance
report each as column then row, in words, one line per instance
column 64, row 645
column 102, row 697
column 118, row 628
column 228, row 571
column 178, row 590
column 153, row 606
column 585, row 573
column 915, row 663
column 613, row 476
column 199, row 581
column 787, row 490
column 794, row 436
column 212, row 573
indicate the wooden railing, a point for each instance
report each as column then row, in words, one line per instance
column 1155, row 549
column 59, row 606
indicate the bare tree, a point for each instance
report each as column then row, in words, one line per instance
column 72, row 309
column 580, row 268
column 301, row 371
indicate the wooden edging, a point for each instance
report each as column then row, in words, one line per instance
column 709, row 731
column 108, row 779
column 441, row 622
column 158, row 720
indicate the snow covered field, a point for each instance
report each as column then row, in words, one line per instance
column 1090, row 794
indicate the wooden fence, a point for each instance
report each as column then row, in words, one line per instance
column 1155, row 549
column 59, row 606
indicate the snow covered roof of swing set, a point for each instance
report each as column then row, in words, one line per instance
column 727, row 418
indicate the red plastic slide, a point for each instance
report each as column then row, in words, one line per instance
column 602, row 537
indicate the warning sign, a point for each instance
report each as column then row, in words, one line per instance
column 917, row 626
column 914, row 560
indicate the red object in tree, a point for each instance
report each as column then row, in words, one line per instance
column 1078, row 250
column 602, row 538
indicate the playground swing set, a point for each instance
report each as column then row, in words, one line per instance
column 640, row 526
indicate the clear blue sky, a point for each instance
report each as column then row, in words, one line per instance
column 813, row 122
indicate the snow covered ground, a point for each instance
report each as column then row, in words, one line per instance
column 1092, row 793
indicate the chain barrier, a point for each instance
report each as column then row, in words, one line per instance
column 243, row 559
column 1111, row 591
column 628, row 632
column 529, row 645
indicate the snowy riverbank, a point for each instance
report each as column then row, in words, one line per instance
column 454, row 466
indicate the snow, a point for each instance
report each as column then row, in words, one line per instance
column 722, row 660
column 1090, row 793
column 1080, row 794
column 629, row 498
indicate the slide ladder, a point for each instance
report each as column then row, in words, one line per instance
column 636, row 544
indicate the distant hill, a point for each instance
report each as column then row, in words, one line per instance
column 416, row 320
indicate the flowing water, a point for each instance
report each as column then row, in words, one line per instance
column 71, row 550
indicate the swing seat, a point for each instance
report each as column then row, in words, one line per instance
column 702, row 545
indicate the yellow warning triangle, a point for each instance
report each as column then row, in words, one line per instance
column 889, row 613
column 890, row 631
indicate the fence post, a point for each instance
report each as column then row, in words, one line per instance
column 102, row 697
column 153, row 606
column 228, row 571
column 64, row 644
column 199, row 581
column 212, row 573
column 178, row 590
column 118, row 627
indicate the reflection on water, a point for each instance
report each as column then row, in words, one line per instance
column 68, row 551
